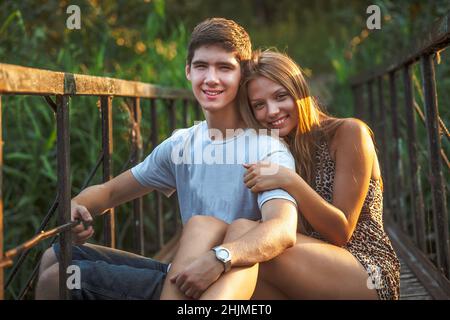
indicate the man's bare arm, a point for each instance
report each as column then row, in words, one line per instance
column 99, row 198
column 276, row 233
column 95, row 200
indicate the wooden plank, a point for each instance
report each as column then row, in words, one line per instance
column 414, row 288
column 405, row 277
column 416, row 297
column 23, row 80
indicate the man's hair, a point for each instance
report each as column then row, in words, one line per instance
column 223, row 32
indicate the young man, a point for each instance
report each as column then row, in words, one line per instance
column 204, row 165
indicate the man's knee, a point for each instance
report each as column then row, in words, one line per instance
column 48, row 283
column 48, row 259
column 203, row 224
column 200, row 234
column 239, row 227
column 50, row 274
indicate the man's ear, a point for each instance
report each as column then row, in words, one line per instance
column 187, row 70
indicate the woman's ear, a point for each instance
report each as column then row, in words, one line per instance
column 187, row 70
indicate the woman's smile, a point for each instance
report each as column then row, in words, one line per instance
column 279, row 123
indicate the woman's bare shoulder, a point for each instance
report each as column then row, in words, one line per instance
column 351, row 133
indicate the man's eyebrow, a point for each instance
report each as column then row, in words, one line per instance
column 219, row 63
column 199, row 62
column 225, row 63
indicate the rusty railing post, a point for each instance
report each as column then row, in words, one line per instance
column 396, row 164
column 172, row 116
column 416, row 192
column 64, row 190
column 2, row 294
column 382, row 127
column 440, row 213
column 137, row 157
column 172, row 127
column 159, row 201
column 109, row 233
column 198, row 112
column 185, row 113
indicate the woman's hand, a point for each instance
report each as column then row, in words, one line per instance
column 258, row 178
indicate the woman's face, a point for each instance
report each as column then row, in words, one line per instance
column 272, row 105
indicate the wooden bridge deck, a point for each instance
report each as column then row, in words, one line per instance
column 419, row 278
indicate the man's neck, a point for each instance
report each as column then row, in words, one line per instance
column 227, row 118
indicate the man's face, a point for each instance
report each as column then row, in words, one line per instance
column 215, row 75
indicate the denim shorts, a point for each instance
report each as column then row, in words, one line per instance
column 111, row 274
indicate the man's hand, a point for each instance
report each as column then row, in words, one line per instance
column 198, row 275
column 79, row 233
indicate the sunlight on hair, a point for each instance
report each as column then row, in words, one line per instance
column 308, row 115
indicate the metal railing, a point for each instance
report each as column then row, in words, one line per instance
column 386, row 119
column 19, row 80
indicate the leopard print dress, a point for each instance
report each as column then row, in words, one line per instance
column 369, row 243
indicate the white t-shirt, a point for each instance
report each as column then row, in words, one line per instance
column 208, row 174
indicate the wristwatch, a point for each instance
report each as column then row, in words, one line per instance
column 224, row 256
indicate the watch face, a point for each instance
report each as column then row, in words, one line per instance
column 223, row 254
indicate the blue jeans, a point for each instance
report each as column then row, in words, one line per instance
column 111, row 274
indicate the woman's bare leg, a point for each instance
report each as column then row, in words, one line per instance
column 200, row 234
column 313, row 269
column 266, row 291
column 239, row 282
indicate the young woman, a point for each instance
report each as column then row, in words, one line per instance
column 342, row 250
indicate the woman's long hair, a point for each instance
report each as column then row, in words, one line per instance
column 313, row 123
